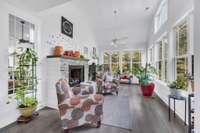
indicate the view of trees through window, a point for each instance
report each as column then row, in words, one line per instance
column 181, row 50
column 129, row 61
column 115, row 63
column 126, row 60
column 106, row 62
column 162, row 59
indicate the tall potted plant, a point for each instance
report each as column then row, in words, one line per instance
column 26, row 90
column 145, row 76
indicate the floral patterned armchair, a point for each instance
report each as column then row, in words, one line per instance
column 107, row 86
column 78, row 108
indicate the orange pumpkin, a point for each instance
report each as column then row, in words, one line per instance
column 58, row 51
column 77, row 54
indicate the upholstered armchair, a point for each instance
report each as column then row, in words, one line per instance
column 111, row 86
column 78, row 108
column 105, row 86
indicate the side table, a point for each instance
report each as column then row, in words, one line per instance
column 175, row 98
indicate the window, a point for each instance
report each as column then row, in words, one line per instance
column 161, row 15
column 162, row 59
column 14, row 49
column 181, row 49
column 106, row 59
column 136, row 59
column 115, row 63
column 126, row 61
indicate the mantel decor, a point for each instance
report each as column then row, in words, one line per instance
column 66, row 27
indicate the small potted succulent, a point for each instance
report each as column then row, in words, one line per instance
column 177, row 86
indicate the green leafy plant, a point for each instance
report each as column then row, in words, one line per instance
column 181, row 83
column 27, row 79
column 23, row 100
column 99, row 67
column 145, row 74
column 82, row 57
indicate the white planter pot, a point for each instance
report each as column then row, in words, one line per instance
column 176, row 92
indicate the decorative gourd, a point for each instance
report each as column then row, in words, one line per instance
column 58, row 51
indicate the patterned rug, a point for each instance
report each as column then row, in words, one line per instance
column 117, row 111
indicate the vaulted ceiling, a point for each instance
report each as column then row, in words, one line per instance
column 109, row 19
column 36, row 5
column 112, row 19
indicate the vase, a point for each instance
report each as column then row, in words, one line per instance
column 175, row 92
column 147, row 90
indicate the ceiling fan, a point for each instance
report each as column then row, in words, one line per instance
column 118, row 41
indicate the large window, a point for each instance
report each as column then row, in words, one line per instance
column 161, row 15
column 115, row 63
column 126, row 61
column 106, row 58
column 15, row 48
column 122, row 61
column 162, row 59
column 181, row 49
column 136, row 59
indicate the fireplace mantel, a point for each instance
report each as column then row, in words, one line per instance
column 57, row 68
column 67, row 57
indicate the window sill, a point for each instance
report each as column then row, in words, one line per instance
column 185, row 93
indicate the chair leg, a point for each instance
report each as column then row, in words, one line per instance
column 117, row 93
column 66, row 130
column 99, row 124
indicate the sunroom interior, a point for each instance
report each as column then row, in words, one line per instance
column 101, row 66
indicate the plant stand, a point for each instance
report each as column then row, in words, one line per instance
column 22, row 119
column 176, row 98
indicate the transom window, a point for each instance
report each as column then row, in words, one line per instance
column 161, row 15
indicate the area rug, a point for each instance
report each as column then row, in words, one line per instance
column 117, row 111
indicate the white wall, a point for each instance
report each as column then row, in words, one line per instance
column 9, row 112
column 51, row 25
column 48, row 23
column 177, row 10
column 197, row 64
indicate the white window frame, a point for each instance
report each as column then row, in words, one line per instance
column 161, row 15
column 163, row 58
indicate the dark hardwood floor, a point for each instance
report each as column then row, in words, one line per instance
column 149, row 116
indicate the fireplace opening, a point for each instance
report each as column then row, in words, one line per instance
column 76, row 75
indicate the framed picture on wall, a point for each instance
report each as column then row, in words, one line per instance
column 66, row 27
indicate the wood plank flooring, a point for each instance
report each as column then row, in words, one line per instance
column 149, row 116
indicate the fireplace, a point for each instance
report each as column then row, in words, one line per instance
column 76, row 74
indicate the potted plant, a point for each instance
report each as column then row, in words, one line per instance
column 178, row 85
column 145, row 76
column 26, row 89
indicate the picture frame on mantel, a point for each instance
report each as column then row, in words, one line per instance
column 66, row 27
